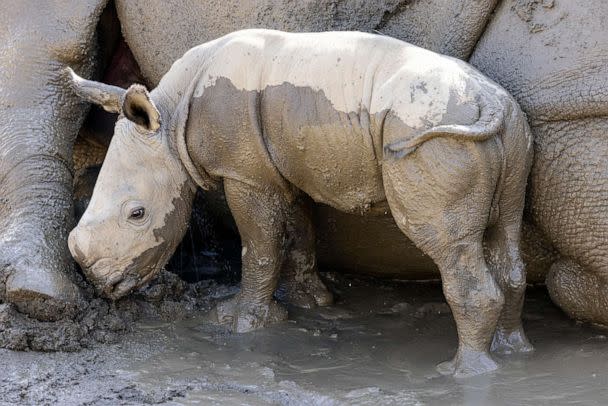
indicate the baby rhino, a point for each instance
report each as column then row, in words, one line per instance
column 363, row 123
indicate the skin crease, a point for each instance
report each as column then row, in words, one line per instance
column 448, row 150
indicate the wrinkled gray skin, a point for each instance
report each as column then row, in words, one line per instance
column 39, row 120
column 448, row 27
column 355, row 121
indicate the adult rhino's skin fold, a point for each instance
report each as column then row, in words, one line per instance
column 39, row 120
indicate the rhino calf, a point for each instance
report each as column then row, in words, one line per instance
column 361, row 122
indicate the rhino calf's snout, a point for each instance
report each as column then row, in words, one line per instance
column 79, row 243
column 79, row 248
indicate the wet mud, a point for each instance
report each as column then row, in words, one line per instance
column 103, row 321
column 378, row 345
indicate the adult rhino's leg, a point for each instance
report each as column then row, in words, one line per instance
column 300, row 284
column 37, row 203
column 39, row 119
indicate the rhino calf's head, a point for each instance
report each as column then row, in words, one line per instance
column 142, row 200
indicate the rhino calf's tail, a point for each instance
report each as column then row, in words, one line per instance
column 489, row 124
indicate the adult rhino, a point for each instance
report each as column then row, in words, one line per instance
column 357, row 121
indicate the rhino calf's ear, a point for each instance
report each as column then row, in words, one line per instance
column 139, row 108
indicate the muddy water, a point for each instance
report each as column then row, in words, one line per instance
column 377, row 346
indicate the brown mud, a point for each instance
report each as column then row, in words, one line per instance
column 378, row 345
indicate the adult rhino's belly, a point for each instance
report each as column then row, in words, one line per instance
column 329, row 154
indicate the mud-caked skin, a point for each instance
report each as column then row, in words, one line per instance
column 352, row 120
column 369, row 245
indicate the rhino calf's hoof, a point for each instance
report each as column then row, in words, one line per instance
column 468, row 363
column 245, row 317
column 42, row 294
column 306, row 295
column 505, row 342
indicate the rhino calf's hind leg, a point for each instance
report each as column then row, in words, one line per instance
column 261, row 221
column 476, row 301
column 300, row 284
column 444, row 210
column 502, row 238
column 503, row 255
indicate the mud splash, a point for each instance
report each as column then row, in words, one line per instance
column 378, row 345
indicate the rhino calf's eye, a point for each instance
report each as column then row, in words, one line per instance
column 137, row 214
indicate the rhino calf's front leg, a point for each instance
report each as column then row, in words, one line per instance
column 300, row 284
column 260, row 218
